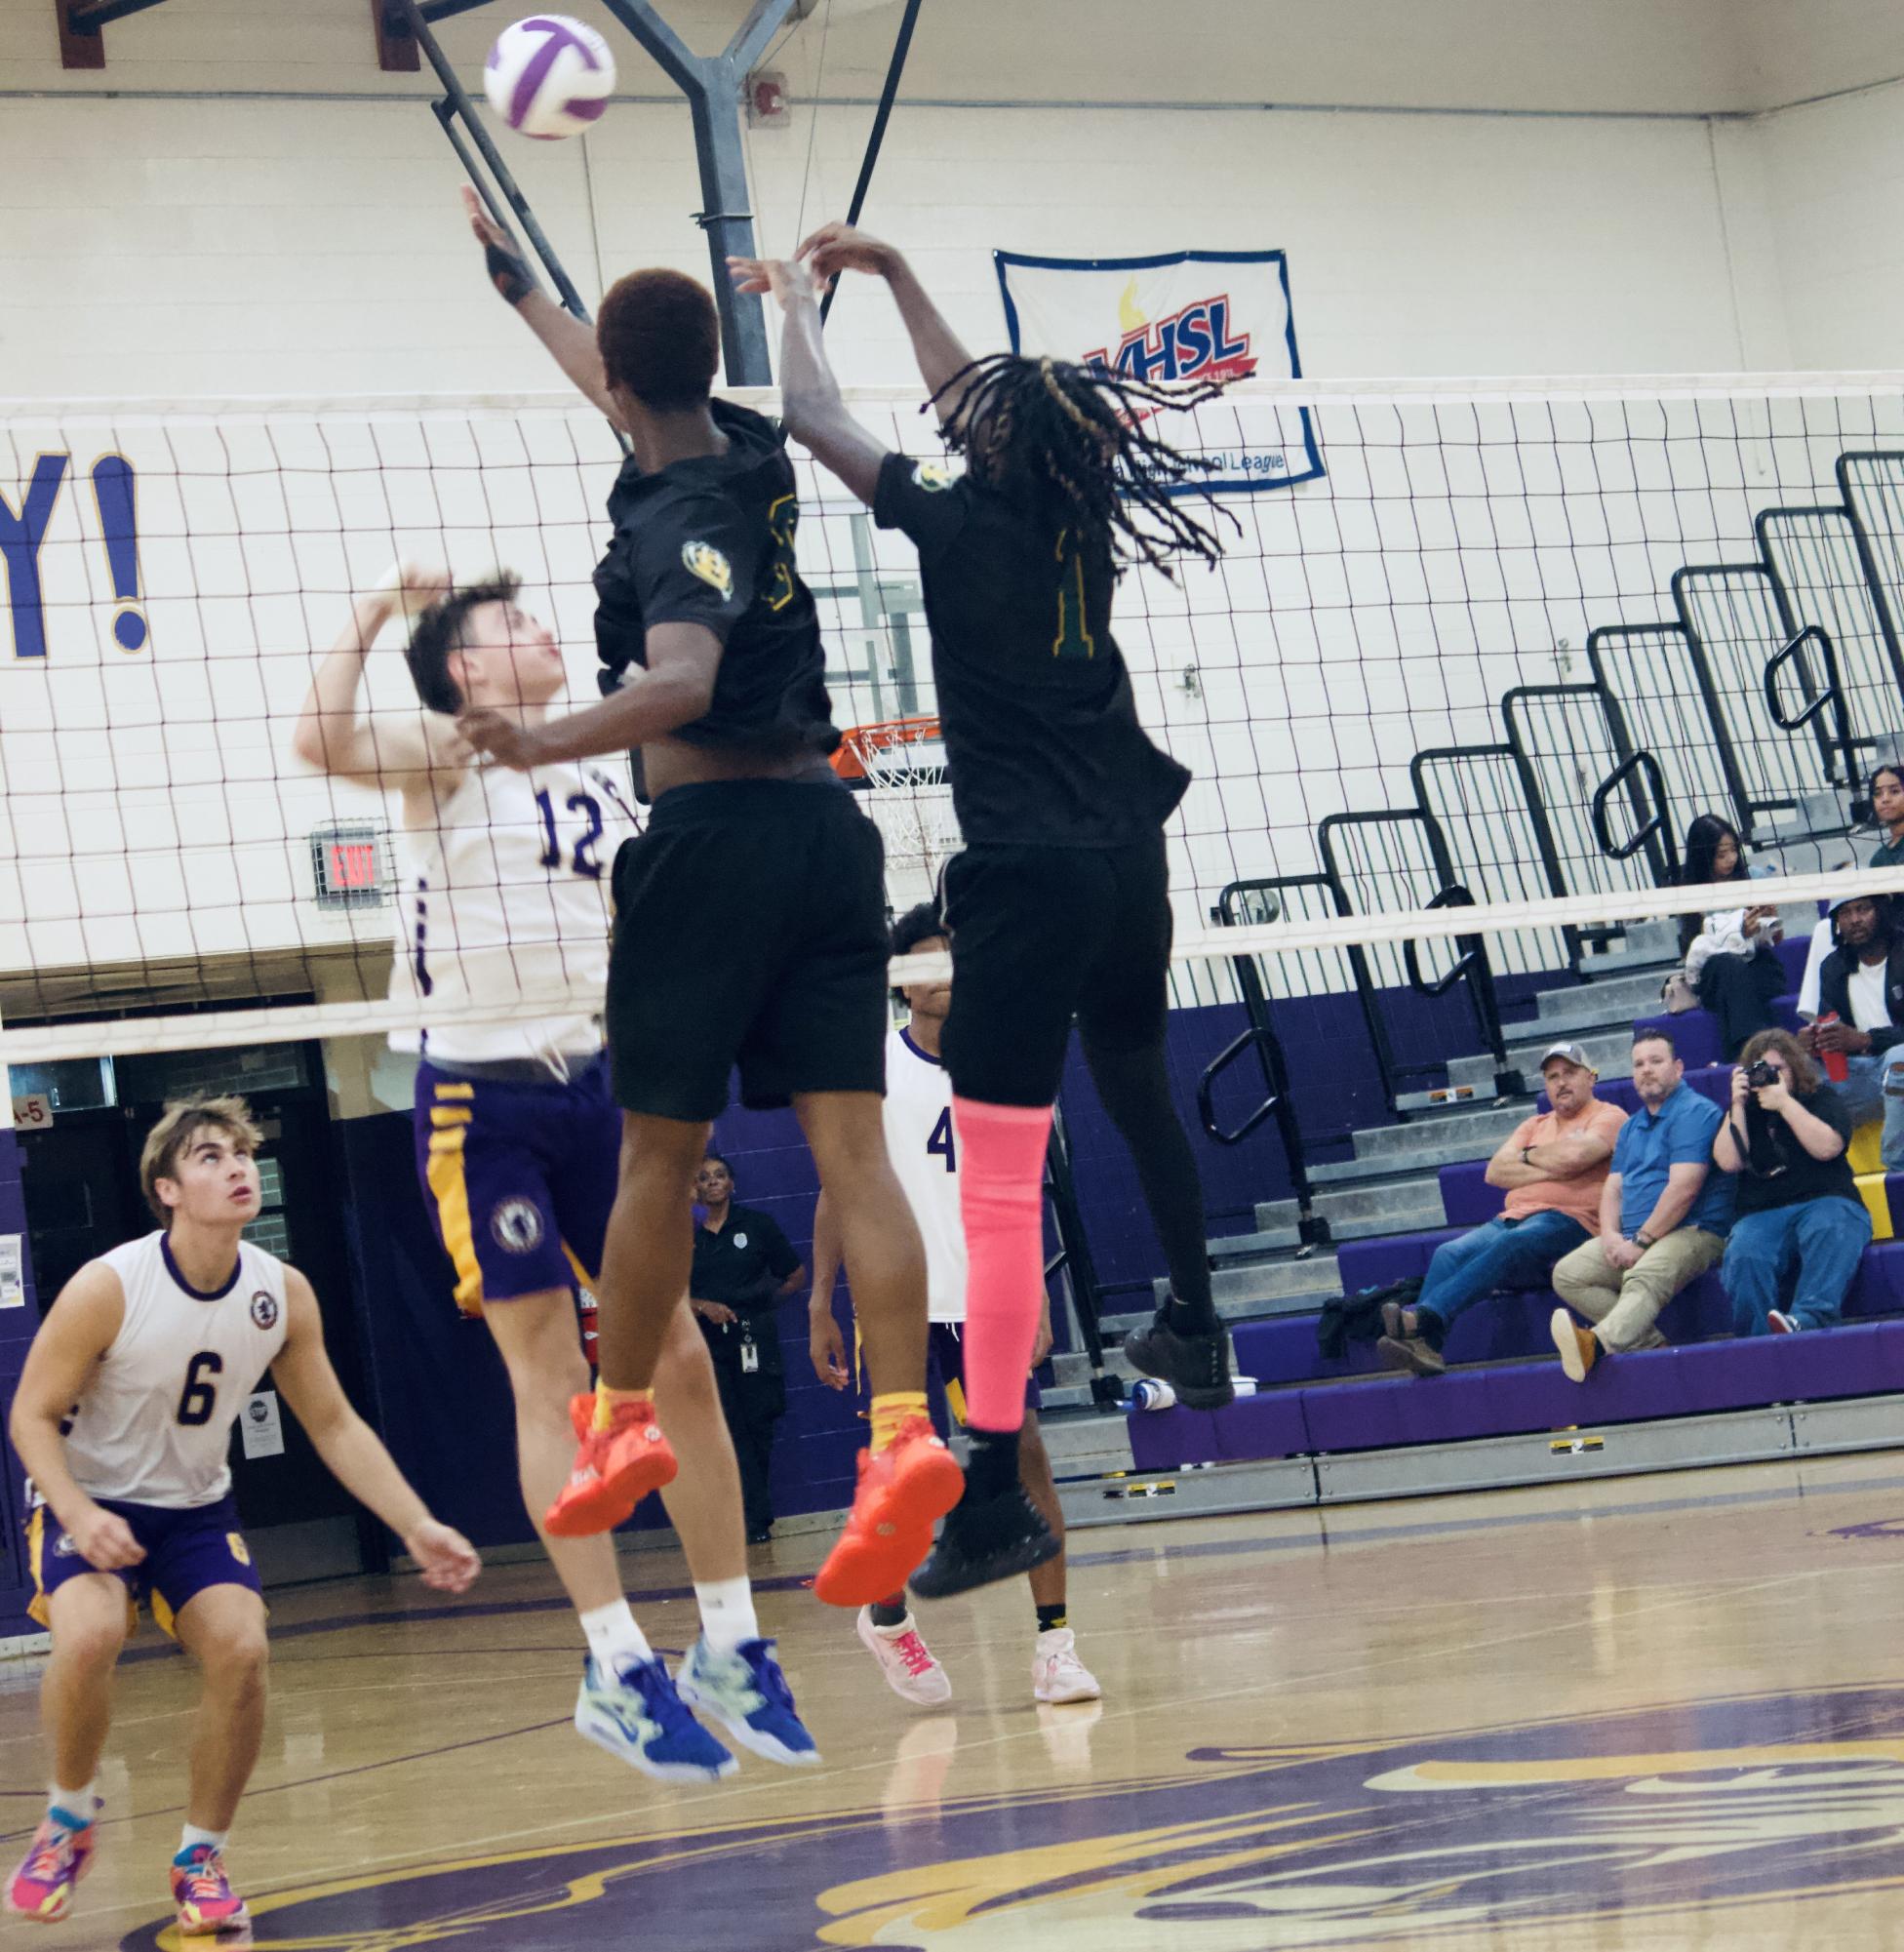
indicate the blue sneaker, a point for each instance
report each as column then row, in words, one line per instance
column 638, row 1716
column 746, row 1692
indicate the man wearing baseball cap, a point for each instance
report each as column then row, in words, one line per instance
column 1860, row 1007
column 1552, row 1169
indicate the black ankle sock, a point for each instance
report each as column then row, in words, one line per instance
column 1188, row 1318
column 992, row 1467
column 888, row 1612
column 1051, row 1616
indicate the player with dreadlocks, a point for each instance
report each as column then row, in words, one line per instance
column 1059, row 907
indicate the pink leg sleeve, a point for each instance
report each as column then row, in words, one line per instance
column 1001, row 1194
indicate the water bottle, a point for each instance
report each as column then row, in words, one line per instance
column 1148, row 1394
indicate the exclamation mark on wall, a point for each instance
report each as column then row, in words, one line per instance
column 113, row 484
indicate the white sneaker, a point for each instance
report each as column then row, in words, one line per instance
column 1056, row 1672
column 905, row 1660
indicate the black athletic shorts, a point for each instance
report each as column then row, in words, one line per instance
column 1041, row 935
column 749, row 930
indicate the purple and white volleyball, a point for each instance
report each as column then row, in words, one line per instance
column 550, row 76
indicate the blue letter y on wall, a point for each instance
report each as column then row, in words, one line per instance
column 20, row 537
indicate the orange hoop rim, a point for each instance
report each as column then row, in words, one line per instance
column 858, row 742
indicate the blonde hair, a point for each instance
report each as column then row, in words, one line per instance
column 182, row 1120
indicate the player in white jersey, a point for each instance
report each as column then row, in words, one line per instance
column 123, row 1420
column 505, row 877
column 923, row 1144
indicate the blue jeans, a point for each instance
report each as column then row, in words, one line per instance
column 1465, row 1271
column 1874, row 1088
column 1810, row 1249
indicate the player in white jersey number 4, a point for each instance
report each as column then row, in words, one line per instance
column 123, row 1420
column 924, row 1148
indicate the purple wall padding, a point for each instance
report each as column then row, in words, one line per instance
column 17, row 1327
column 1860, row 1359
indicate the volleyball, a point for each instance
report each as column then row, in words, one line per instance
column 550, row 76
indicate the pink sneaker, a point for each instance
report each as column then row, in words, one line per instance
column 905, row 1660
column 43, row 1886
column 206, row 1904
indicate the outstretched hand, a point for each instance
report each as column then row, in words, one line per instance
column 508, row 271
column 789, row 283
column 842, row 247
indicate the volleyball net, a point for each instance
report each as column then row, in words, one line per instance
column 1467, row 685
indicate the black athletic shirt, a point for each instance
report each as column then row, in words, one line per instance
column 710, row 540
column 1042, row 739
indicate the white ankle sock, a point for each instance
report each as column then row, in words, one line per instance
column 77, row 1803
column 727, row 1612
column 613, row 1638
column 193, row 1837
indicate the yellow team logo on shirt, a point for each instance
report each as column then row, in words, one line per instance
column 705, row 561
column 240, row 1551
column 931, row 475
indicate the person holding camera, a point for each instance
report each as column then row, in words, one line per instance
column 1801, row 1224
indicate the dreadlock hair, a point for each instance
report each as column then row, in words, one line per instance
column 439, row 632
column 1072, row 441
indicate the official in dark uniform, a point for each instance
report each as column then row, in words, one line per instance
column 743, row 1266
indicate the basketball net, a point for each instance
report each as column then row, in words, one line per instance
column 898, row 765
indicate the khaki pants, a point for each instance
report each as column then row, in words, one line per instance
column 1626, row 1303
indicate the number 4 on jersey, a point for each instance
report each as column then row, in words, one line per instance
column 943, row 1145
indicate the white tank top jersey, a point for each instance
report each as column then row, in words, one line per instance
column 154, row 1425
column 925, row 1152
column 505, row 891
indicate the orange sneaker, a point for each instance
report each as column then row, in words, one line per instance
column 902, row 1493
column 613, row 1471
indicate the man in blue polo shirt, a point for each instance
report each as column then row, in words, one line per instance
column 1663, row 1216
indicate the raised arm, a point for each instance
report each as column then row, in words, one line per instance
column 352, row 1452
column 395, row 750
column 811, row 406
column 571, row 340
column 836, row 247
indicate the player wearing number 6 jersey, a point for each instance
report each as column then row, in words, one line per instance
column 925, row 1149
column 504, row 902
column 123, row 1420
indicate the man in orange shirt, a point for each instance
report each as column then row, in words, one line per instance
column 1552, row 1166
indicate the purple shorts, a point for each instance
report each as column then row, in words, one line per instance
column 185, row 1551
column 945, row 1358
column 520, row 1178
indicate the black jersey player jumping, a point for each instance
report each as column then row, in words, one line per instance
column 1059, row 907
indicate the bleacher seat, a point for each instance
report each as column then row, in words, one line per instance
column 1339, row 1405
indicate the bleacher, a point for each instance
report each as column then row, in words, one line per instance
column 1765, row 697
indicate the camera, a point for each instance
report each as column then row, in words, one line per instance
column 1761, row 1075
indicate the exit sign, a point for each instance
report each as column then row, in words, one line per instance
column 350, row 865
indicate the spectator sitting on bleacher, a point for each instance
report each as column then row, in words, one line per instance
column 1552, row 1167
column 1888, row 810
column 1862, row 1016
column 1663, row 1216
column 1729, row 953
column 1801, row 1226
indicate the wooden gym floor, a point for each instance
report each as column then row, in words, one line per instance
column 1658, row 1712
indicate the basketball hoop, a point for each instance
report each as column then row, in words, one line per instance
column 899, row 765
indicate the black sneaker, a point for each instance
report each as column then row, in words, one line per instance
column 980, row 1543
column 1196, row 1367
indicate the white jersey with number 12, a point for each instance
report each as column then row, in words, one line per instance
column 925, row 1153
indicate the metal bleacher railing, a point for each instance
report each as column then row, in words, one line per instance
column 1766, row 699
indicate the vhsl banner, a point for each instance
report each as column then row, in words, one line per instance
column 1214, row 315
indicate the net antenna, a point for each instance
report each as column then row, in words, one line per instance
column 899, row 767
